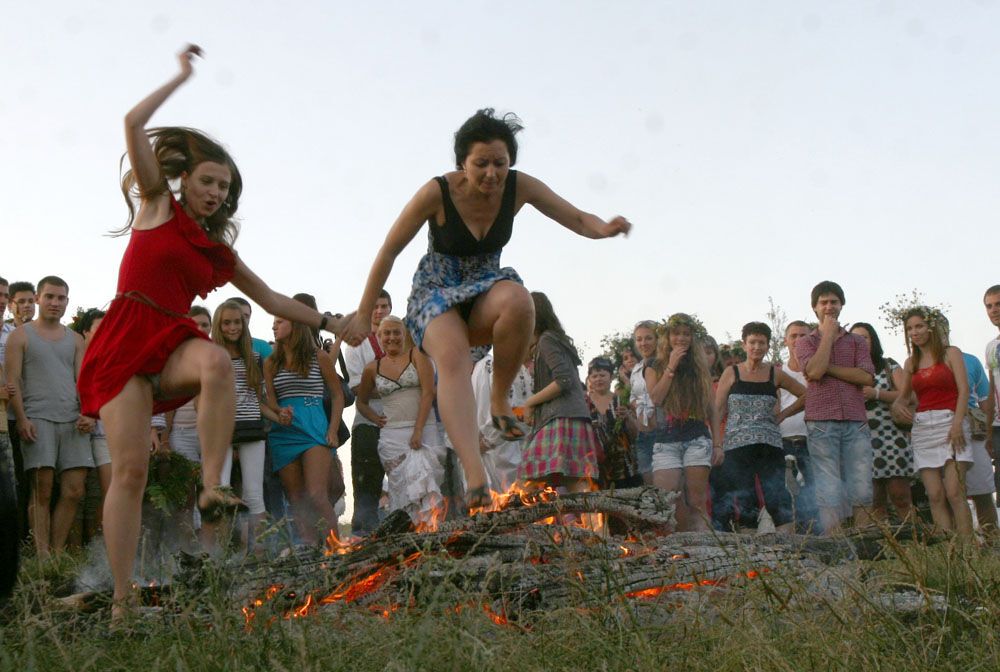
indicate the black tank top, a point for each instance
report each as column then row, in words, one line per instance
column 454, row 237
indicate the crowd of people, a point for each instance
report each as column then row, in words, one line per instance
column 837, row 431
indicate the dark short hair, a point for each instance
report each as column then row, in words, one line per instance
column 3, row 281
column 795, row 323
column 601, row 364
column 243, row 302
column 382, row 294
column 86, row 321
column 827, row 287
column 199, row 310
column 21, row 286
column 756, row 329
column 485, row 126
column 53, row 280
column 995, row 289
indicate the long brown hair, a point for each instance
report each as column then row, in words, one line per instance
column 244, row 345
column 302, row 343
column 937, row 327
column 179, row 150
column 690, row 393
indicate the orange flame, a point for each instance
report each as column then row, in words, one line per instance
column 336, row 546
column 659, row 590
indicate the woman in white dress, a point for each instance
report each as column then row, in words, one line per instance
column 410, row 446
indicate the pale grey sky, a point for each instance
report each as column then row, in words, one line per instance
column 758, row 147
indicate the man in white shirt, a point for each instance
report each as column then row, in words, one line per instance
column 366, row 468
column 794, row 434
column 992, row 302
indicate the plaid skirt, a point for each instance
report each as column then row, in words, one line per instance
column 564, row 446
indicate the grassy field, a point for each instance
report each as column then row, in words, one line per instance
column 788, row 619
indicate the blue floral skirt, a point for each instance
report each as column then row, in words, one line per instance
column 443, row 282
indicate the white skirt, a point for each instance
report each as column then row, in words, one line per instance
column 929, row 439
column 415, row 476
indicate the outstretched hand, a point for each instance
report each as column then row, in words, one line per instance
column 616, row 226
column 186, row 59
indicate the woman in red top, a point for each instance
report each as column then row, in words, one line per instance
column 935, row 372
column 148, row 357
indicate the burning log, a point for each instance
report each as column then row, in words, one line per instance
column 513, row 565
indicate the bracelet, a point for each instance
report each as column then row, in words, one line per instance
column 877, row 394
column 326, row 319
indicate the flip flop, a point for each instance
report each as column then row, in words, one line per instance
column 508, row 427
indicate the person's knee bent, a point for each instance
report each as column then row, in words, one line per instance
column 216, row 369
column 517, row 303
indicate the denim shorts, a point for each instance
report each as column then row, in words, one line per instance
column 644, row 451
column 696, row 452
column 841, row 456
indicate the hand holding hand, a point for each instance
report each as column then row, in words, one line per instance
column 84, row 425
column 285, row 416
column 356, row 329
column 416, row 439
column 869, row 392
column 332, row 440
column 901, row 412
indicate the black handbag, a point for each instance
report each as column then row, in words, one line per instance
column 247, row 431
column 349, row 395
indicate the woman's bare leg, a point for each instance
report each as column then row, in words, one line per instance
column 447, row 342
column 505, row 317
column 954, row 488
column 934, row 487
column 293, row 482
column 696, row 487
column 126, row 423
column 901, row 497
column 670, row 480
column 203, row 368
column 316, row 465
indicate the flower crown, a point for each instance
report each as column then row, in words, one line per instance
column 903, row 306
column 682, row 320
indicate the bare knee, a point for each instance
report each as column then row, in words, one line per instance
column 517, row 303
column 318, row 499
column 71, row 490
column 41, row 484
column 130, row 475
column 217, row 369
column 454, row 362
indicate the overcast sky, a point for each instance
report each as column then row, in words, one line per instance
column 758, row 147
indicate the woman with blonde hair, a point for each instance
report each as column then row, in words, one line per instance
column 409, row 445
column 941, row 438
column 230, row 331
column 680, row 387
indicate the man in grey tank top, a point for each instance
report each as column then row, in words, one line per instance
column 42, row 362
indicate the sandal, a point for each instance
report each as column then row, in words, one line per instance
column 223, row 502
column 508, row 426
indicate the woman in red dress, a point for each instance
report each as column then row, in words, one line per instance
column 149, row 357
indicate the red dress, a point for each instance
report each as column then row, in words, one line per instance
column 161, row 272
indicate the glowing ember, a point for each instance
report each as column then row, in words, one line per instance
column 336, row 546
column 659, row 590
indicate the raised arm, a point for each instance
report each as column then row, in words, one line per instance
column 421, row 207
column 274, row 303
column 145, row 167
column 553, row 206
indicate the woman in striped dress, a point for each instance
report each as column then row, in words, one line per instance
column 229, row 331
column 303, row 441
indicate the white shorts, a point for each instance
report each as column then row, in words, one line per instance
column 929, row 438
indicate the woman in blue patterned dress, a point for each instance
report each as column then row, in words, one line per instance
column 748, row 393
column 461, row 297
